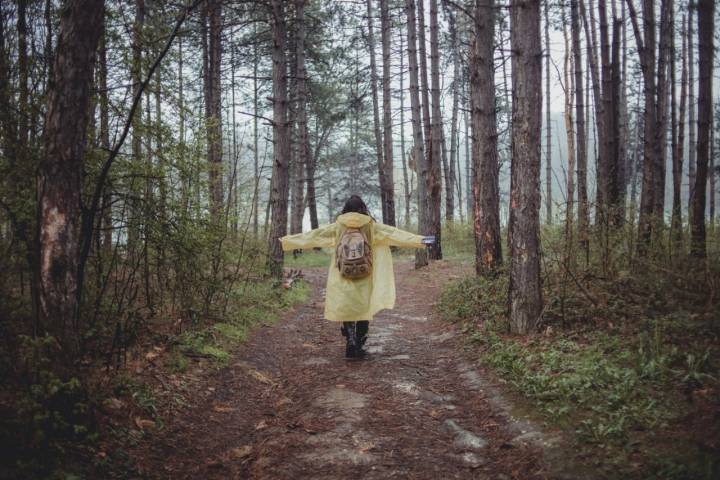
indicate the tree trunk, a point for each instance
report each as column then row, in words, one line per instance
column 705, row 67
column 548, row 129
column 486, row 190
column 303, row 143
column 679, row 145
column 525, row 297
column 389, row 178
column 450, row 177
column 105, row 140
column 572, row 87
column 403, row 154
column 213, row 109
column 434, row 181
column 581, row 156
column 256, row 136
column 646, row 48
column 588, row 18
column 421, row 258
column 692, row 120
column 376, row 111
column 61, row 173
column 281, row 139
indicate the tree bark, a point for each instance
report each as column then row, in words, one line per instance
column 486, row 189
column 388, row 164
column 421, row 258
column 434, row 179
column 706, row 17
column 450, row 177
column 581, row 155
column 376, row 111
column 213, row 108
column 573, row 87
column 525, row 297
column 303, row 144
column 281, row 138
column 404, row 155
column 61, row 173
column 679, row 145
column 548, row 129
column 692, row 120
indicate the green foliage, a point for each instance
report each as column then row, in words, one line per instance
column 248, row 305
column 458, row 242
column 616, row 370
column 308, row 259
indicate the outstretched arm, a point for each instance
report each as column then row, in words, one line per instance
column 387, row 235
column 322, row 237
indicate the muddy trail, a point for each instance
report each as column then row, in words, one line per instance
column 290, row 406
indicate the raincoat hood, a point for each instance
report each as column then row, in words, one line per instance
column 353, row 220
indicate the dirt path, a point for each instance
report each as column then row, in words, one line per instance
column 290, row 406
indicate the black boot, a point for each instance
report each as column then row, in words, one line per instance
column 361, row 335
column 351, row 346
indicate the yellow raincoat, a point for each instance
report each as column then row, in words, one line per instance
column 354, row 300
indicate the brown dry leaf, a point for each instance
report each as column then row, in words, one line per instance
column 241, row 452
column 434, row 413
column 143, row 423
column 150, row 356
column 223, row 408
column 282, row 401
column 257, row 375
column 260, row 425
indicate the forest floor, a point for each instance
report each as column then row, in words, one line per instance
column 288, row 405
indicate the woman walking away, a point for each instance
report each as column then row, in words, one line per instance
column 360, row 280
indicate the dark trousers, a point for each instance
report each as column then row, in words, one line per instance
column 356, row 332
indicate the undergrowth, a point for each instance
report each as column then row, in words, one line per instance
column 623, row 364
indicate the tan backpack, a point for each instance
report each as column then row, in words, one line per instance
column 353, row 254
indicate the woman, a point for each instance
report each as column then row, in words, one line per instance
column 366, row 283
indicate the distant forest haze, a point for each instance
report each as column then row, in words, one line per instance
column 152, row 153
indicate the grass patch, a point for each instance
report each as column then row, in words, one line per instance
column 627, row 375
column 308, row 259
column 249, row 305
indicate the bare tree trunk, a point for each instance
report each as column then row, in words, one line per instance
column 421, row 258
column 105, row 140
column 281, row 138
column 303, row 147
column 404, row 155
column 450, row 177
column 706, row 25
column 434, row 179
column 425, row 94
column 256, row 151
column 136, row 78
column 692, row 120
column 61, row 173
column 572, row 87
column 486, row 189
column 583, row 210
column 376, row 113
column 213, row 111
column 525, row 296
column 591, row 40
column 678, row 143
column 388, row 165
column 646, row 48
column 548, row 129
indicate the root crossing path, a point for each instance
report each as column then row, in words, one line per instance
column 289, row 406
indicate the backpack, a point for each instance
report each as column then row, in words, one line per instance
column 353, row 254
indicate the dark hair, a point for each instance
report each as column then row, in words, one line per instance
column 355, row 204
